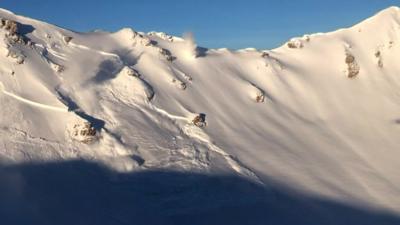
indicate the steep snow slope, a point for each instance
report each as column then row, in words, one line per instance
column 319, row 115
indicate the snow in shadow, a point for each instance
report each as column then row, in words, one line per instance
column 24, row 29
column 80, row 192
column 128, row 56
column 66, row 100
column 108, row 70
column 97, row 124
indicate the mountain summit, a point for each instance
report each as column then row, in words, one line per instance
column 317, row 117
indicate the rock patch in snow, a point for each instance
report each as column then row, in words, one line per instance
column 264, row 54
column 18, row 57
column 180, row 84
column 378, row 56
column 9, row 25
column 67, row 39
column 166, row 53
column 84, row 132
column 57, row 68
column 353, row 69
column 295, row 43
column 130, row 72
column 162, row 35
column 145, row 41
column 200, row 120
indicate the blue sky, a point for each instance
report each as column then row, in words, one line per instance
column 215, row 23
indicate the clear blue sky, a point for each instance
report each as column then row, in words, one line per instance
column 215, row 23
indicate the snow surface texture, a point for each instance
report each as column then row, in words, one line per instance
column 98, row 128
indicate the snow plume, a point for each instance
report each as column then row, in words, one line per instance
column 191, row 46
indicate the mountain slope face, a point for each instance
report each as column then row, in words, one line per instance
column 319, row 115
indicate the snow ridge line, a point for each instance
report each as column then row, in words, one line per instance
column 167, row 114
column 95, row 50
column 33, row 103
column 49, row 50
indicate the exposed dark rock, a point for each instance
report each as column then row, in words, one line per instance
column 85, row 133
column 200, row 120
column 67, row 39
column 353, row 69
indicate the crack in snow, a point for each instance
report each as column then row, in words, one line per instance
column 32, row 103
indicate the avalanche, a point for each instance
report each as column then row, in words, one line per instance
column 318, row 115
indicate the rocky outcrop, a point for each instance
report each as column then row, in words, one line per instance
column 10, row 26
column 295, row 43
column 260, row 97
column 166, row 53
column 131, row 72
column 13, row 35
column 57, row 68
column 180, row 84
column 353, row 69
column 18, row 57
column 257, row 93
column 298, row 42
column 378, row 56
column 200, row 120
column 67, row 39
column 265, row 54
column 162, row 35
column 187, row 77
column 84, row 133
column 145, row 41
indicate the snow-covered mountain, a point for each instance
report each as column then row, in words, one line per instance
column 112, row 128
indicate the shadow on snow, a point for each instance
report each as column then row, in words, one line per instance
column 80, row 192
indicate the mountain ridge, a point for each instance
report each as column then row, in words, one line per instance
column 392, row 12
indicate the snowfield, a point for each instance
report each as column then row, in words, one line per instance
column 135, row 128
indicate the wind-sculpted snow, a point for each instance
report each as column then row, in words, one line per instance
column 135, row 102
